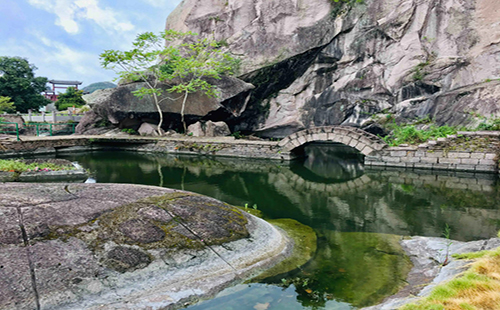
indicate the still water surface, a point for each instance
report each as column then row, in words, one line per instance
column 359, row 216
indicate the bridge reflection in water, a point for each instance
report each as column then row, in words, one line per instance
column 329, row 163
column 339, row 194
column 358, row 214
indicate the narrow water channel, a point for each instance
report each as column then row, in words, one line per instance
column 359, row 216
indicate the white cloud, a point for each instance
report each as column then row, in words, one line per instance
column 106, row 18
column 64, row 10
column 56, row 60
column 70, row 12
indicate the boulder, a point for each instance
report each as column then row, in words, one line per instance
column 321, row 62
column 147, row 129
column 209, row 129
column 12, row 118
column 119, row 246
column 196, row 130
column 92, row 124
column 97, row 96
column 119, row 106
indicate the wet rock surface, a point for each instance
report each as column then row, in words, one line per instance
column 86, row 246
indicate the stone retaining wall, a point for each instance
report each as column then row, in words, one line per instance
column 478, row 153
column 442, row 154
column 412, row 157
column 226, row 146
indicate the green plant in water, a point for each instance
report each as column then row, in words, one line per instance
column 446, row 234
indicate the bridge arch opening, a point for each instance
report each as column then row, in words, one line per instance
column 328, row 162
column 365, row 142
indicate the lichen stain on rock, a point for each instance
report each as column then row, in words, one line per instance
column 168, row 222
column 124, row 259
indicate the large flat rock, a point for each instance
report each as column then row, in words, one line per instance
column 117, row 246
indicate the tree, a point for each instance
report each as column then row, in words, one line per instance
column 6, row 105
column 18, row 82
column 72, row 97
column 186, row 67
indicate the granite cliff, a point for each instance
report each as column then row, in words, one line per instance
column 321, row 62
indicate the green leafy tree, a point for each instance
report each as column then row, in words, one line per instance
column 185, row 67
column 18, row 81
column 71, row 98
column 6, row 105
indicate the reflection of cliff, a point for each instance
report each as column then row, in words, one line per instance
column 396, row 202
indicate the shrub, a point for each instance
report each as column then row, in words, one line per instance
column 409, row 134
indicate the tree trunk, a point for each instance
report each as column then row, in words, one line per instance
column 182, row 112
column 158, row 129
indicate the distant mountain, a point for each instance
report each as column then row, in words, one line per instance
column 100, row 85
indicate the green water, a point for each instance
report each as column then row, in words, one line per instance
column 359, row 216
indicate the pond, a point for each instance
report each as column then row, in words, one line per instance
column 359, row 216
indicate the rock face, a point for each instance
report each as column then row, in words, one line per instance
column 321, row 62
column 119, row 107
column 95, row 246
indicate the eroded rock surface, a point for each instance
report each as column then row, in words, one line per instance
column 94, row 246
column 320, row 62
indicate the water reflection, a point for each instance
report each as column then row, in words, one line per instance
column 358, row 216
column 327, row 163
column 380, row 201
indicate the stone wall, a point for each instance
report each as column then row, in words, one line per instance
column 225, row 146
column 469, row 151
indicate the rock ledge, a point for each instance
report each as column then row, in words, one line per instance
column 117, row 246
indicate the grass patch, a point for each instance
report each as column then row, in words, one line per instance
column 493, row 124
column 409, row 134
column 8, row 165
column 477, row 288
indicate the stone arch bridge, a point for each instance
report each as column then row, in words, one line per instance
column 366, row 143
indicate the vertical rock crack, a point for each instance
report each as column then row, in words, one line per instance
column 28, row 253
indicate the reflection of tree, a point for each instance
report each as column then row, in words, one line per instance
column 370, row 203
column 357, row 268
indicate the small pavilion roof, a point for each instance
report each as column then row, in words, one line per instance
column 61, row 82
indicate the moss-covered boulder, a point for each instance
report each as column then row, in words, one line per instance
column 124, row 246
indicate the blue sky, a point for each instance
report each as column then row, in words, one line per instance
column 64, row 38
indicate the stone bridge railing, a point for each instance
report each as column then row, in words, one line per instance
column 365, row 142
